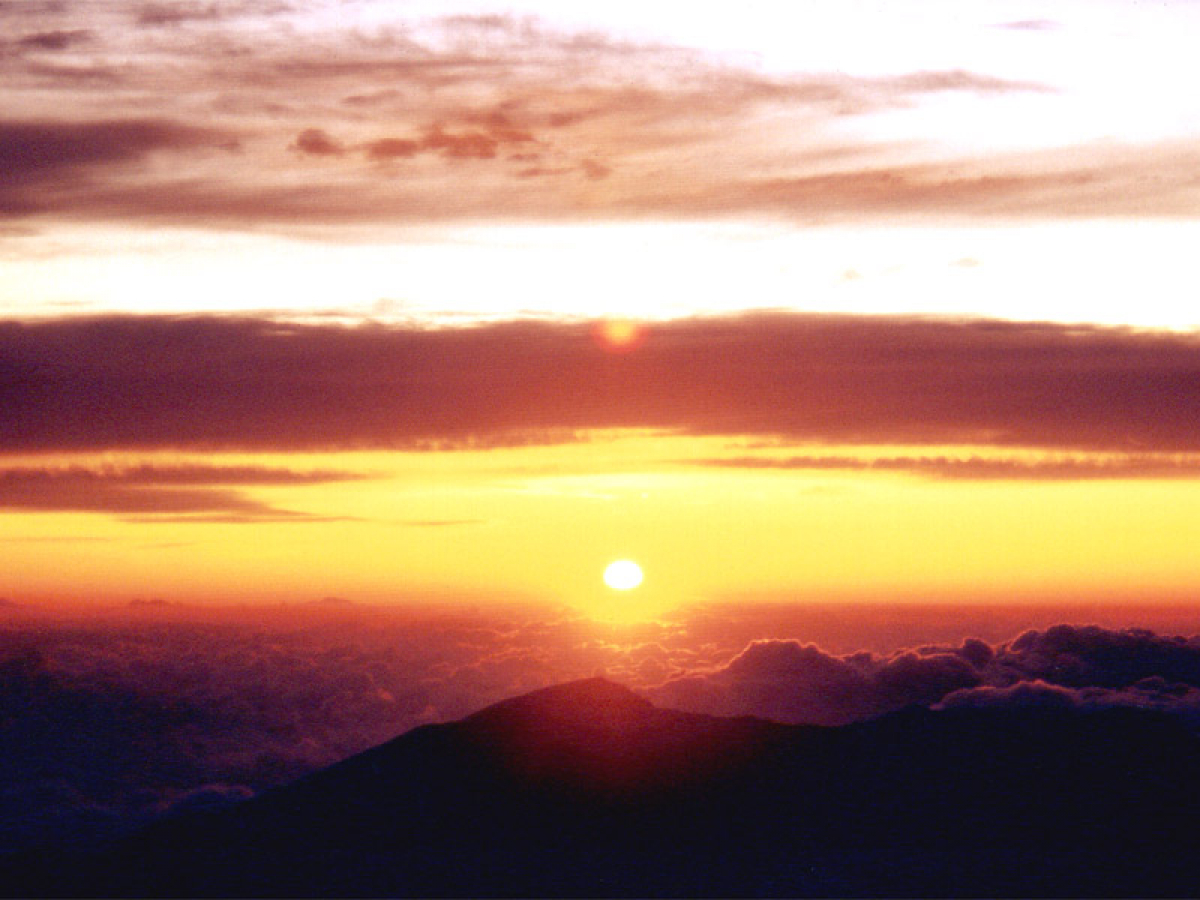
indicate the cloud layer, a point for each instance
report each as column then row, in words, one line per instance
column 114, row 719
column 144, row 382
column 241, row 116
column 1061, row 666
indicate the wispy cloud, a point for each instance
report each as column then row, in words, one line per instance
column 1049, row 468
column 492, row 117
column 61, row 39
column 45, row 161
column 185, row 492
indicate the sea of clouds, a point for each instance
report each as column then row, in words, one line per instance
column 109, row 721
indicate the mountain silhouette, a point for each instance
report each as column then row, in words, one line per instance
column 586, row 789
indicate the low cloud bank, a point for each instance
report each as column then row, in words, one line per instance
column 1064, row 665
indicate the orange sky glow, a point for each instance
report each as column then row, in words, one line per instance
column 408, row 302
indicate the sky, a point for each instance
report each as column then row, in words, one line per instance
column 456, row 302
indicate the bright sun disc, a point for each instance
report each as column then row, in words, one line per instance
column 623, row 575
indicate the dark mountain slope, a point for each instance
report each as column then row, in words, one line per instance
column 586, row 789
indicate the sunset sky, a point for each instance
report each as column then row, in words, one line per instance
column 306, row 299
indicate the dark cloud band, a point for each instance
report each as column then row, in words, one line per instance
column 209, row 382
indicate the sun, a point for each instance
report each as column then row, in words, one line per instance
column 623, row 575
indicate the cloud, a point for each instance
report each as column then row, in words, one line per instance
column 1050, row 468
column 316, row 142
column 793, row 682
column 115, row 718
column 46, row 160
column 32, row 147
column 595, row 170
column 1076, row 666
column 1084, row 182
column 159, row 14
column 252, row 383
column 54, row 791
column 176, row 15
column 464, row 94
column 197, row 493
column 386, row 149
column 1100, row 657
column 1088, row 182
column 472, row 144
column 467, row 145
column 61, row 39
column 935, row 81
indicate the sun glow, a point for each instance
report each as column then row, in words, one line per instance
column 623, row 575
column 619, row 335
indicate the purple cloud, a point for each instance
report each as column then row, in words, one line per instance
column 90, row 383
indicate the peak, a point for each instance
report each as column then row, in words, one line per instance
column 586, row 694
column 597, row 690
column 590, row 700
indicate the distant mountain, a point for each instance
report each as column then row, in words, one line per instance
column 586, row 789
